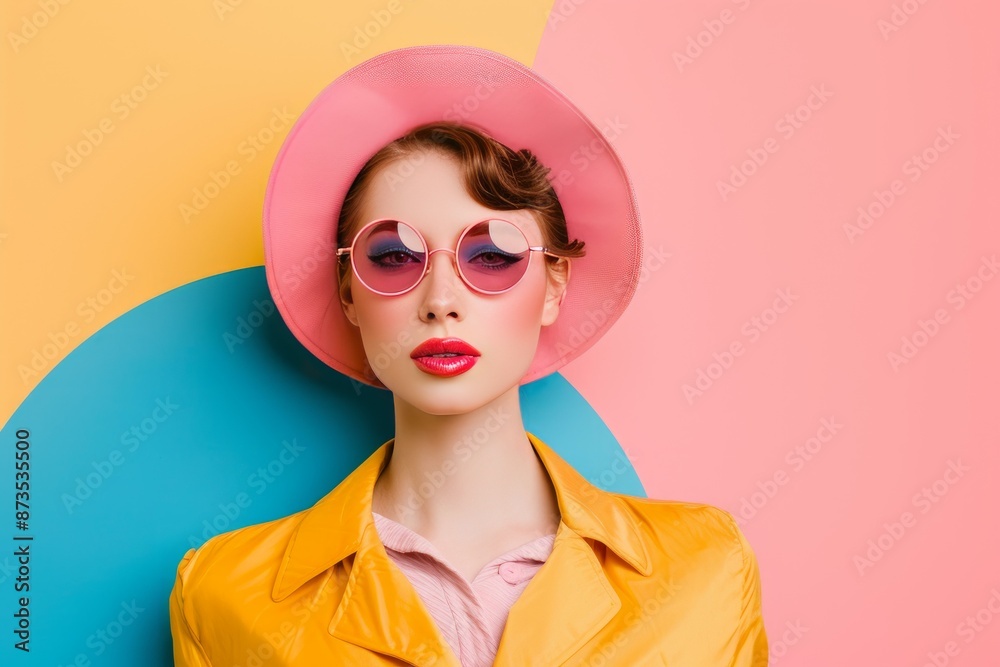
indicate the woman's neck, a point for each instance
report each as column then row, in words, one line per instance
column 471, row 475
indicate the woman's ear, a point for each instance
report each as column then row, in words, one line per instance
column 347, row 302
column 555, row 290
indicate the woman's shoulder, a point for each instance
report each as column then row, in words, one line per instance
column 680, row 511
column 673, row 525
column 705, row 567
column 224, row 589
column 233, row 553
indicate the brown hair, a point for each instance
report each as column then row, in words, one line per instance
column 495, row 176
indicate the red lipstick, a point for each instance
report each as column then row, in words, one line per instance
column 444, row 357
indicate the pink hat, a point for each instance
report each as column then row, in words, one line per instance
column 382, row 99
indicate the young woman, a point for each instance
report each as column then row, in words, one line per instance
column 432, row 227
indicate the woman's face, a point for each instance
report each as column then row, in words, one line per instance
column 504, row 328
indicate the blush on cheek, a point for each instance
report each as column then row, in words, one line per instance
column 520, row 321
column 521, row 310
column 383, row 342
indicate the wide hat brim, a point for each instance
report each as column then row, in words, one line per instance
column 382, row 99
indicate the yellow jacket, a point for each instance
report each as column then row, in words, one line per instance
column 630, row 582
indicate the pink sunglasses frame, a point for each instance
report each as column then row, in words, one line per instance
column 454, row 256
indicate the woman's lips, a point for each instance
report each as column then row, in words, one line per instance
column 444, row 357
column 446, row 366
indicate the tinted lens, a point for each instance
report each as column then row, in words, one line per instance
column 389, row 257
column 493, row 255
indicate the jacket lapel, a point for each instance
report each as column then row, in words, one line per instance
column 383, row 612
column 567, row 602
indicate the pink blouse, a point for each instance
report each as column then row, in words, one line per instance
column 471, row 616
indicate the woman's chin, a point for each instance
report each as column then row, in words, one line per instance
column 455, row 395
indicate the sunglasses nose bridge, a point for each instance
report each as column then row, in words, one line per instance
column 454, row 262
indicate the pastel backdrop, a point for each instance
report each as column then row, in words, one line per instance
column 812, row 346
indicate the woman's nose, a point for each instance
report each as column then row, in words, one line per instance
column 442, row 288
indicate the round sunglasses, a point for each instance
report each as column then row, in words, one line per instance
column 390, row 257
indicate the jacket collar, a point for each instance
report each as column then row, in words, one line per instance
column 336, row 526
column 569, row 600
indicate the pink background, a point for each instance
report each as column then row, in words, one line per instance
column 827, row 356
